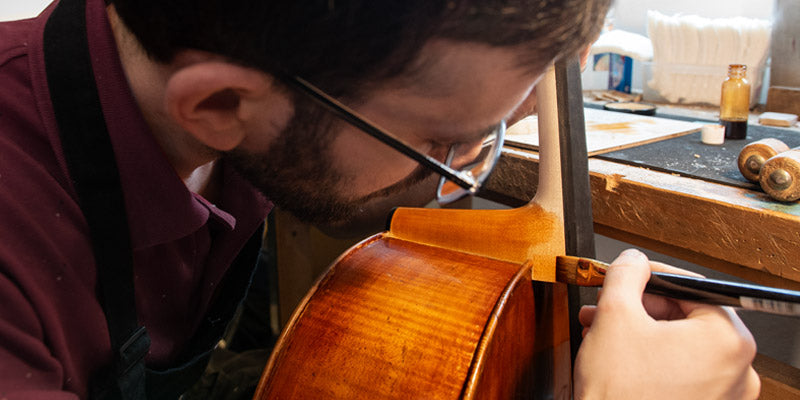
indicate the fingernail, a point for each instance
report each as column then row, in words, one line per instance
column 632, row 253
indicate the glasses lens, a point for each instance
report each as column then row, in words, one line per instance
column 474, row 163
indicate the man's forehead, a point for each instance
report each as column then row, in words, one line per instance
column 444, row 67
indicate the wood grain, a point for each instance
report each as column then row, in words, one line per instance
column 731, row 224
column 704, row 221
column 521, row 235
column 779, row 381
column 417, row 327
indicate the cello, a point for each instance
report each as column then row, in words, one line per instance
column 445, row 304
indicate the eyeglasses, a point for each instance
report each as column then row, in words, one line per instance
column 465, row 169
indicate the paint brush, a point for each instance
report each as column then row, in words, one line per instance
column 587, row 272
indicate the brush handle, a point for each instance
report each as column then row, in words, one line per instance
column 723, row 293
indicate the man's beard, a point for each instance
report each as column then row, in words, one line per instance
column 298, row 175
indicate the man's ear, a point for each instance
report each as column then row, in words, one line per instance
column 218, row 103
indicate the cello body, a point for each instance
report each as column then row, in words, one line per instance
column 428, row 324
column 441, row 306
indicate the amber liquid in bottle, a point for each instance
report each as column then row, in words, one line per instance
column 735, row 102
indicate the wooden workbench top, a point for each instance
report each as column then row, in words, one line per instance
column 738, row 231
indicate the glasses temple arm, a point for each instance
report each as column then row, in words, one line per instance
column 350, row 116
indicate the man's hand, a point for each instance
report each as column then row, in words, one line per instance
column 651, row 347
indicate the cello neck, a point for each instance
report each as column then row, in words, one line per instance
column 549, row 194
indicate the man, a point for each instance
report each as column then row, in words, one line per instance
column 196, row 109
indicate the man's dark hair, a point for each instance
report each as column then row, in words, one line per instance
column 343, row 44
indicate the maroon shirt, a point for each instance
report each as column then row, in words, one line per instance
column 53, row 333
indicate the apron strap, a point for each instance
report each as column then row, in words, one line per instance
column 171, row 383
column 90, row 159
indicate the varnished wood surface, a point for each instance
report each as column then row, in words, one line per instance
column 431, row 323
column 730, row 229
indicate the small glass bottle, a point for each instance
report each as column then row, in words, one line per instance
column 734, row 106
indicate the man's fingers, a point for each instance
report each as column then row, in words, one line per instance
column 626, row 278
column 586, row 318
column 662, row 308
column 753, row 386
column 724, row 318
column 661, row 267
column 586, row 315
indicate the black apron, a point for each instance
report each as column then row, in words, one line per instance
column 93, row 169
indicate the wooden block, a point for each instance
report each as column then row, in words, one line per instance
column 783, row 99
column 778, row 380
column 777, row 119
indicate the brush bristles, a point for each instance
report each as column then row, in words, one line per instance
column 567, row 269
column 580, row 271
